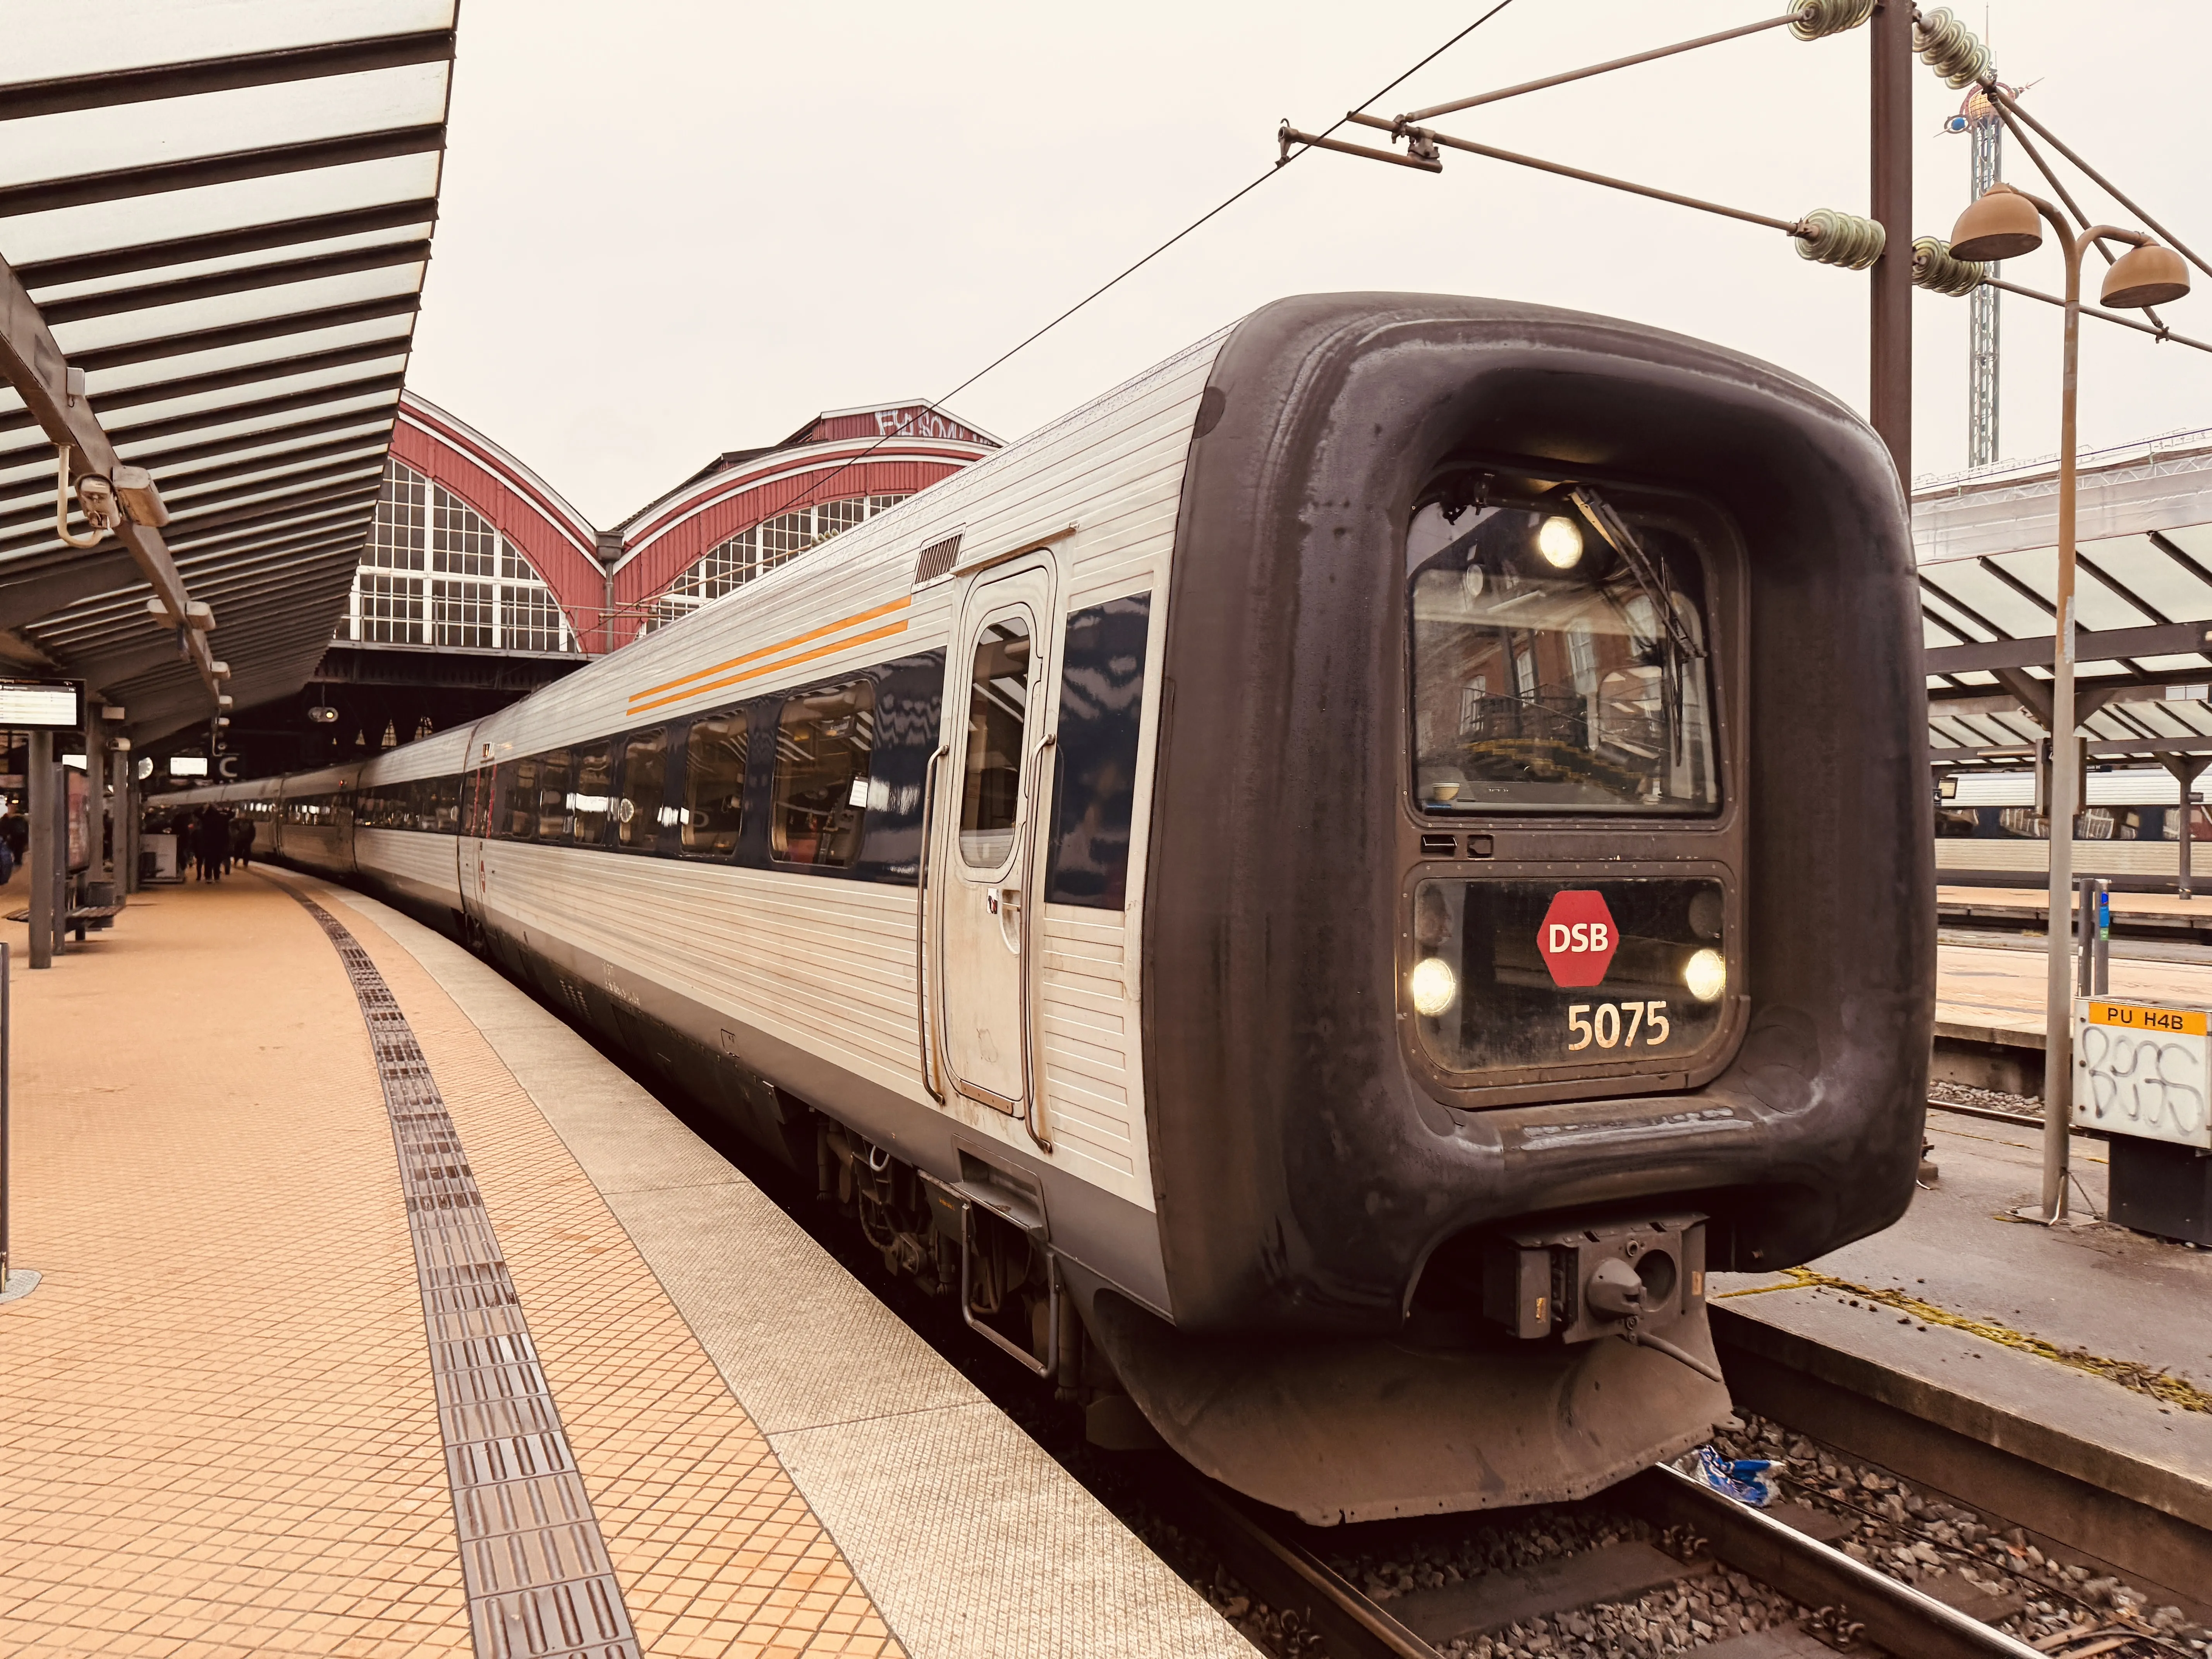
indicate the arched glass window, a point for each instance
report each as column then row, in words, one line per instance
column 437, row 572
column 755, row 551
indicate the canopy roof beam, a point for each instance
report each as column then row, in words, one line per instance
column 35, row 365
column 203, row 75
column 44, row 195
column 226, row 244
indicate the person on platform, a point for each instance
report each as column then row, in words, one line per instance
column 211, row 840
column 242, row 840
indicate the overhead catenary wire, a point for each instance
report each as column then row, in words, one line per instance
column 2100, row 313
column 1787, row 225
column 1793, row 19
column 2005, row 100
column 1132, row 269
column 2066, row 197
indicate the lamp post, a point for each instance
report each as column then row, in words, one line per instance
column 2002, row 225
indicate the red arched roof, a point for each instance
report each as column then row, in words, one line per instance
column 891, row 449
column 559, row 542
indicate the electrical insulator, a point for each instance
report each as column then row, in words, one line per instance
column 1950, row 48
column 1831, row 238
column 1935, row 269
column 1820, row 18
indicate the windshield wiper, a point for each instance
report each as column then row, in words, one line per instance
column 1641, row 565
column 1679, row 644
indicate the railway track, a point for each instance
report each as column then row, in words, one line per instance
column 1846, row 1606
column 1824, row 1600
column 1992, row 1115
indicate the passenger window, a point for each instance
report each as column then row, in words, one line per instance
column 715, row 784
column 1101, row 691
column 588, row 801
column 998, row 715
column 824, row 742
column 521, row 797
column 645, row 773
column 553, row 795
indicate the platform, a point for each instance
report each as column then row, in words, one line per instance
column 2086, row 1349
column 1985, row 989
column 649, row 1415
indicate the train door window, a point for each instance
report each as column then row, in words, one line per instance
column 553, row 814
column 825, row 742
column 1101, row 691
column 519, row 800
column 1560, row 663
column 998, row 714
column 588, row 799
column 715, row 784
column 645, row 777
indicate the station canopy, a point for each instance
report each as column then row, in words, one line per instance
column 1989, row 566
column 220, row 212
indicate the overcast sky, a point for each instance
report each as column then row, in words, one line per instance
column 674, row 228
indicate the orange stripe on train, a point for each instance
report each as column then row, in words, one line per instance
column 653, row 692
column 830, row 649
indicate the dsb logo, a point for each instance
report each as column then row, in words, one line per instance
column 1577, row 939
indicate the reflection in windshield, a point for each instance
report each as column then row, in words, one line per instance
column 1547, row 675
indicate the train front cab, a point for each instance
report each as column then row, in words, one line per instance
column 1538, row 909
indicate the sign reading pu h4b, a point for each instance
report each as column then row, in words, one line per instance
column 1577, row 939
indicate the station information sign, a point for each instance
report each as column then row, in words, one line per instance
column 2142, row 1069
column 42, row 705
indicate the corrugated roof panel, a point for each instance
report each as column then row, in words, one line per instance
column 223, row 212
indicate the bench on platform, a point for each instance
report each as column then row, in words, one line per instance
column 82, row 917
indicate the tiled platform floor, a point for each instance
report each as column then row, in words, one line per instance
column 217, row 1434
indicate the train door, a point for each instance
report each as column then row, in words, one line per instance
column 983, row 877
column 477, row 806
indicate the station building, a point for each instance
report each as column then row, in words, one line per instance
column 479, row 582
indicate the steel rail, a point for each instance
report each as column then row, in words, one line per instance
column 1991, row 1114
column 1896, row 1616
column 1656, row 53
column 1892, row 1614
column 1286, row 1575
column 1788, row 227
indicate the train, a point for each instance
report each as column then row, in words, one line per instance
column 1308, row 896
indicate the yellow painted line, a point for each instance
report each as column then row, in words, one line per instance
column 654, row 691
column 2127, row 1373
column 832, row 649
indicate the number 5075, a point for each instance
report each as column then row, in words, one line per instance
column 1615, row 1024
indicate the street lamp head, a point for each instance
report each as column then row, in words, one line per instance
column 2146, row 275
column 2002, row 225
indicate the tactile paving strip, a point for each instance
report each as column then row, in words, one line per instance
column 534, row 1566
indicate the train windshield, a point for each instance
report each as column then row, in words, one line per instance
column 1559, row 662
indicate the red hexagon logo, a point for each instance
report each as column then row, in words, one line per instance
column 1577, row 939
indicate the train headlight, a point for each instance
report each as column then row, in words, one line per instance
column 1706, row 975
column 1560, row 541
column 1434, row 987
